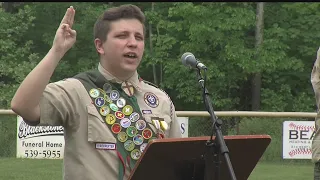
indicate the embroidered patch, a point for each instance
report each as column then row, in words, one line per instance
column 114, row 95
column 151, row 99
column 125, row 122
column 146, row 111
column 134, row 117
column 143, row 146
column 135, row 154
column 138, row 139
column 99, row 101
column 129, row 145
column 106, row 146
column 127, row 110
column 94, row 93
column 121, row 102
column 141, row 124
column 147, row 133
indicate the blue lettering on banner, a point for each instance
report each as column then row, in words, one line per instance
column 106, row 146
column 183, row 128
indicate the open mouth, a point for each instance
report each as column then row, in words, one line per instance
column 130, row 55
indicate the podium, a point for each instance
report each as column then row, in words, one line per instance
column 182, row 158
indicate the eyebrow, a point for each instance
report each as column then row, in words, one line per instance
column 127, row 32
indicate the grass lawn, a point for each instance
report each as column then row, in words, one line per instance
column 33, row 169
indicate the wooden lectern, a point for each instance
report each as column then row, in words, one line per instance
column 182, row 158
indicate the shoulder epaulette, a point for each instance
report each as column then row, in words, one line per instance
column 150, row 83
column 171, row 103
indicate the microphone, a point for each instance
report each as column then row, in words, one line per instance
column 188, row 59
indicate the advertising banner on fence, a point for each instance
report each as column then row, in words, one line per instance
column 184, row 124
column 40, row 142
column 297, row 139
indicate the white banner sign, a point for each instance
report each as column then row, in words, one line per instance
column 297, row 139
column 40, row 142
column 184, row 124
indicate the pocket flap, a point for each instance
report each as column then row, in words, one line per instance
column 98, row 131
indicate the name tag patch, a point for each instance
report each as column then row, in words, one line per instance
column 146, row 111
column 106, row 146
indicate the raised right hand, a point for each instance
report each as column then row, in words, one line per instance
column 65, row 36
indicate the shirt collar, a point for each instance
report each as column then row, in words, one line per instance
column 134, row 79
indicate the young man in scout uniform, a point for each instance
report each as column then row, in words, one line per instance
column 315, row 80
column 109, row 114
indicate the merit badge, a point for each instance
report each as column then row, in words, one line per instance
column 134, row 117
column 119, row 115
column 113, row 107
column 131, row 131
column 99, row 101
column 116, row 128
column 125, row 122
column 107, row 87
column 151, row 99
column 129, row 145
column 147, row 133
column 94, row 93
column 121, row 102
column 127, row 110
column 107, row 98
column 122, row 136
column 143, row 146
column 135, row 154
column 141, row 124
column 138, row 139
column 110, row 119
column 104, row 110
column 114, row 95
column 146, row 111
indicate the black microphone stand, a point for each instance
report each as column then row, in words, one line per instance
column 214, row 147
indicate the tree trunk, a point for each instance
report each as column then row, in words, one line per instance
column 256, row 79
column 154, row 69
column 7, row 6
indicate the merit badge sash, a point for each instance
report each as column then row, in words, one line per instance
column 122, row 116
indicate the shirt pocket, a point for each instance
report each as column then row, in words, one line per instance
column 98, row 131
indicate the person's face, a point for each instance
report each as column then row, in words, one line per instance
column 123, row 49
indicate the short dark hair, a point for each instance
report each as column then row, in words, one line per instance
column 102, row 25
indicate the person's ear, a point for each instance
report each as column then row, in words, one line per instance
column 99, row 46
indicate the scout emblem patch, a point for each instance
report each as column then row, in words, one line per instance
column 151, row 99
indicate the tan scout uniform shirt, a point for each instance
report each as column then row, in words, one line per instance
column 315, row 80
column 67, row 103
